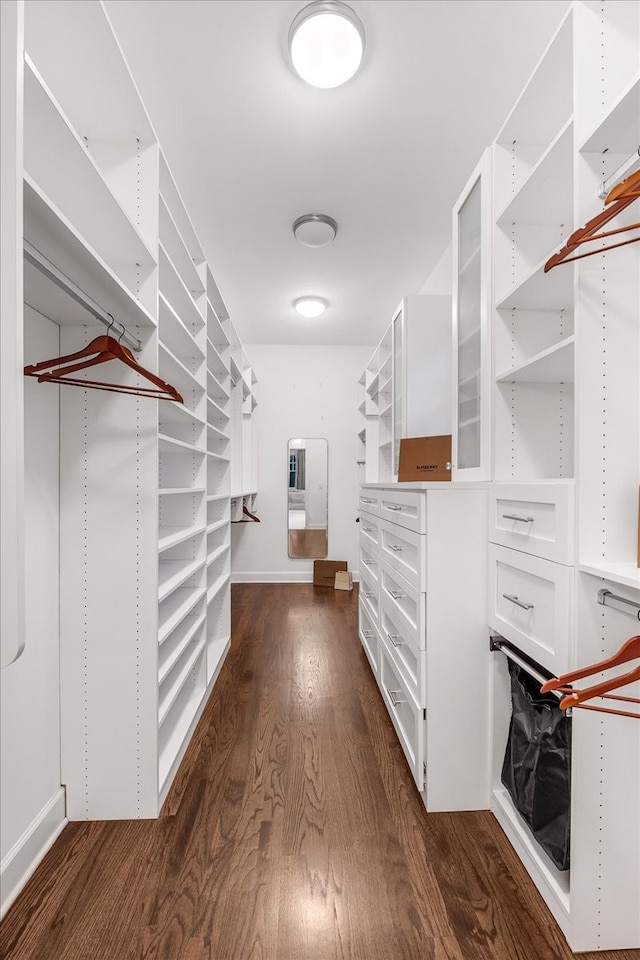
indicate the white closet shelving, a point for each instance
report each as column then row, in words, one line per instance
column 571, row 332
column 144, row 484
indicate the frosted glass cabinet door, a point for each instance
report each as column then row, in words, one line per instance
column 471, row 434
column 399, row 375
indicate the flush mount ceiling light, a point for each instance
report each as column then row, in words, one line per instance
column 310, row 306
column 326, row 43
column 315, row 229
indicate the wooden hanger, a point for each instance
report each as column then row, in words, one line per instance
column 101, row 350
column 618, row 198
column 247, row 513
column 628, row 651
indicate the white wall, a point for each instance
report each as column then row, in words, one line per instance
column 304, row 391
column 440, row 280
column 32, row 800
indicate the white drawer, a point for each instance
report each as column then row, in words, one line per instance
column 530, row 604
column 370, row 502
column 369, row 638
column 401, row 646
column 405, row 551
column 370, row 563
column 369, row 596
column 369, row 532
column 407, row 601
column 535, row 518
column 407, row 717
column 406, row 508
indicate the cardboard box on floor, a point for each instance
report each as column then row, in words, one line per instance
column 425, row 458
column 344, row 580
column 324, row 572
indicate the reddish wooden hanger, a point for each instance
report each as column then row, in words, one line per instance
column 628, row 651
column 101, row 350
column 618, row 198
column 247, row 513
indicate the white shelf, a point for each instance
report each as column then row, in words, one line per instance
column 169, row 445
column 542, row 291
column 180, row 491
column 215, row 389
column 179, row 415
column 216, row 652
column 50, row 232
column 216, row 434
column 173, row 288
column 173, row 369
column 471, row 263
column 217, row 411
column 546, row 196
column 175, row 608
column 171, row 536
column 175, row 335
column 217, row 525
column 176, row 740
column 222, row 457
column 625, row 574
column 217, row 496
column 554, row 365
column 175, row 204
column 169, row 698
column 216, row 330
column 619, row 132
column 216, row 587
column 173, row 573
column 172, row 241
column 217, row 553
column 81, row 193
column 181, row 638
column 471, row 422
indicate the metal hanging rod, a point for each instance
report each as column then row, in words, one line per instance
column 624, row 170
column 49, row 269
column 496, row 642
column 608, row 599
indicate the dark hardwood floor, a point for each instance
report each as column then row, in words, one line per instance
column 293, row 831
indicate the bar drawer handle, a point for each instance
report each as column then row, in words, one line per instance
column 395, row 548
column 519, row 603
column 396, row 641
column 395, row 594
column 369, row 596
column 367, row 500
column 392, row 506
column 368, row 529
column 515, row 516
column 368, row 563
column 393, row 696
column 367, row 634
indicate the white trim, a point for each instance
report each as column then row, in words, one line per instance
column 305, row 576
column 29, row 850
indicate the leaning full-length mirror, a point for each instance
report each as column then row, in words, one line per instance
column 307, row 503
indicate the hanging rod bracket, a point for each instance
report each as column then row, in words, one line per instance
column 49, row 270
column 624, row 170
column 608, row 599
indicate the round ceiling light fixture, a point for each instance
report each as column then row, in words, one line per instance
column 326, row 43
column 315, row 229
column 310, row 306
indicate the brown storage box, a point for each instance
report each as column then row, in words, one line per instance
column 425, row 458
column 324, row 571
column 344, row 580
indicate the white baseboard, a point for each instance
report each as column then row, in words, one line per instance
column 27, row 852
column 284, row 577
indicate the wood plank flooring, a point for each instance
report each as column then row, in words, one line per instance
column 293, row 831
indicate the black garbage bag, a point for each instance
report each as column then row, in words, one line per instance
column 537, row 765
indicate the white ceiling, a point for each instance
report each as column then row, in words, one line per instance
column 252, row 146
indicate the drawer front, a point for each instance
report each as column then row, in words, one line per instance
column 407, row 657
column 369, row 595
column 407, row 509
column 370, row 502
column 535, row 518
column 531, row 602
column 405, row 551
column 369, row 532
column 407, row 602
column 369, row 638
column 407, row 717
column 370, row 563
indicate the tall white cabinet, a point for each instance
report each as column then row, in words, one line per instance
column 145, row 485
column 563, row 520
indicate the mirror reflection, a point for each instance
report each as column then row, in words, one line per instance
column 307, row 506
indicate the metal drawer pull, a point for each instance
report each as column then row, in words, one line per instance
column 366, row 500
column 518, row 603
column 368, row 529
column 392, row 506
column 396, row 641
column 395, row 548
column 367, row 635
column 368, row 563
column 514, row 516
column 369, row 596
column 393, row 696
column 395, row 594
